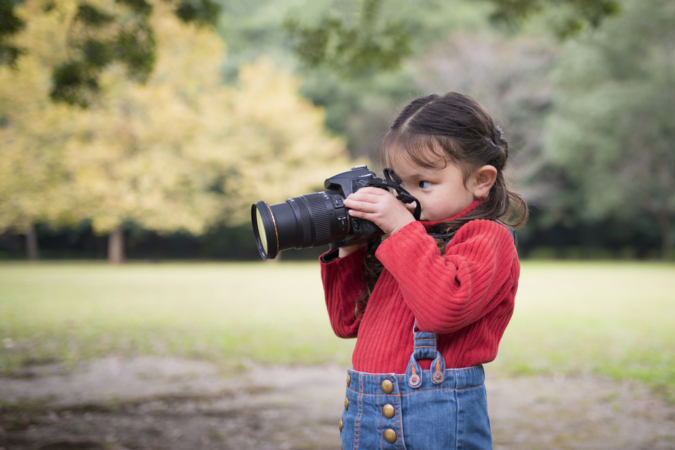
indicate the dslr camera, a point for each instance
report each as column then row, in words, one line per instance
column 321, row 218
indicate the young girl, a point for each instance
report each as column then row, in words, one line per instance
column 429, row 305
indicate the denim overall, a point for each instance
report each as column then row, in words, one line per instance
column 432, row 409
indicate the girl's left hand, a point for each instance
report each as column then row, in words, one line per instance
column 380, row 207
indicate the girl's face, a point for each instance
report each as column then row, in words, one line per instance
column 441, row 192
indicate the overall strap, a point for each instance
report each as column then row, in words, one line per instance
column 425, row 347
column 424, row 343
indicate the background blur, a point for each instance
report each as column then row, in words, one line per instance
column 143, row 130
column 160, row 128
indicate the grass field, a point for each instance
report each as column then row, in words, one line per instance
column 612, row 319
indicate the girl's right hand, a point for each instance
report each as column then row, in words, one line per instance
column 344, row 251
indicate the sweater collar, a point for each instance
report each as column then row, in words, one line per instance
column 428, row 223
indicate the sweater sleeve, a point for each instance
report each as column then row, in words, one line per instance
column 343, row 284
column 448, row 292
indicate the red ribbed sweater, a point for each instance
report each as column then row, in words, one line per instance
column 466, row 295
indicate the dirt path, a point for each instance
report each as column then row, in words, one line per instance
column 173, row 404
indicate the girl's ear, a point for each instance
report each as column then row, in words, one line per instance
column 482, row 180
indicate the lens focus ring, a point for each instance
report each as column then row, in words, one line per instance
column 319, row 212
column 305, row 225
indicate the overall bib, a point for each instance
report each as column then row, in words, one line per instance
column 435, row 409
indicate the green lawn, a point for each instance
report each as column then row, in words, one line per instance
column 614, row 319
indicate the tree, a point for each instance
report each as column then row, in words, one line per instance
column 376, row 41
column 574, row 15
column 372, row 41
column 360, row 107
column 612, row 130
column 142, row 153
column 10, row 24
column 30, row 123
column 98, row 37
column 353, row 48
column 178, row 152
column 279, row 140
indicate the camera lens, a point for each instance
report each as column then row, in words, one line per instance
column 261, row 230
column 264, row 229
column 307, row 221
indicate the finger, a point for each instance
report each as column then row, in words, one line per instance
column 373, row 217
column 364, row 198
column 371, row 190
column 369, row 194
column 411, row 206
column 361, row 206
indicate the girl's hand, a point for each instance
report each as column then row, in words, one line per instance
column 380, row 207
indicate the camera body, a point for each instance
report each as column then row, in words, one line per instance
column 346, row 183
column 321, row 218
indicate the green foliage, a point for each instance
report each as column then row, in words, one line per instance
column 361, row 106
column 74, row 83
column 574, row 15
column 10, row 24
column 351, row 49
column 141, row 7
column 203, row 12
column 377, row 42
column 92, row 16
column 102, row 35
column 177, row 153
column 136, row 47
column 612, row 131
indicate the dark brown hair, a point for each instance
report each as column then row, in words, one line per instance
column 435, row 130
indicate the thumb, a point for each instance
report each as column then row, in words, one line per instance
column 411, row 206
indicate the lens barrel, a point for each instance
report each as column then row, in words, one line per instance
column 307, row 221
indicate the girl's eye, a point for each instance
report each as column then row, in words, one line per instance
column 425, row 184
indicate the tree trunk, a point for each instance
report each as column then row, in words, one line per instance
column 663, row 218
column 116, row 246
column 32, row 249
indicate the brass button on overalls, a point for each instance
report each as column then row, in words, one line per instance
column 340, row 423
column 387, row 386
column 346, row 403
column 388, row 411
column 390, row 436
column 349, row 380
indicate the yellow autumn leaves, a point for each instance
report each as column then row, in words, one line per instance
column 181, row 151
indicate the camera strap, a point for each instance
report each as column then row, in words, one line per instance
column 392, row 181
